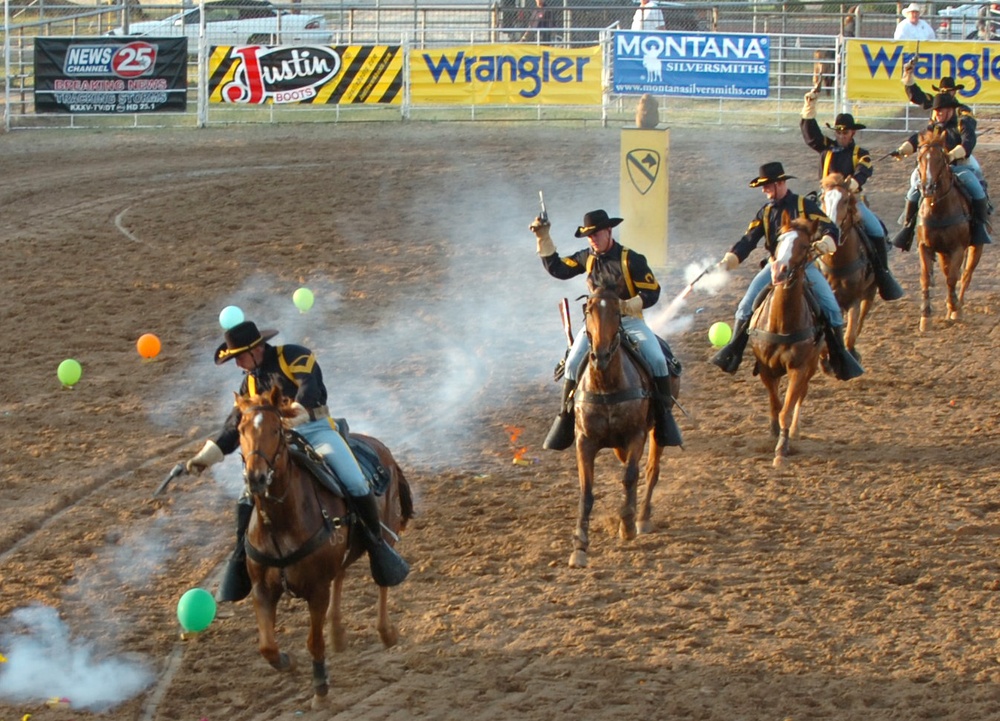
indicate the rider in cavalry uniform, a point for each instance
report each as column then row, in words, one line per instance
column 918, row 97
column 960, row 141
column 846, row 157
column 766, row 225
column 608, row 264
column 296, row 370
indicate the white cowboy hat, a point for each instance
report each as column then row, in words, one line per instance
column 911, row 8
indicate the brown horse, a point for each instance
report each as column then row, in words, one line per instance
column 943, row 227
column 848, row 269
column 301, row 535
column 785, row 336
column 614, row 409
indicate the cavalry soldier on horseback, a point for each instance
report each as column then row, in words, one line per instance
column 852, row 161
column 608, row 265
column 766, row 225
column 918, row 97
column 960, row 141
column 296, row 370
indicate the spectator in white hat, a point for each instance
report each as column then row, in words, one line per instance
column 912, row 26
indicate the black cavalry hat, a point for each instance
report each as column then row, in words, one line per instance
column 241, row 338
column 845, row 121
column 944, row 100
column 770, row 173
column 947, row 83
column 594, row 221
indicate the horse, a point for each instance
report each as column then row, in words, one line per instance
column 784, row 334
column 848, row 270
column 614, row 407
column 301, row 536
column 943, row 227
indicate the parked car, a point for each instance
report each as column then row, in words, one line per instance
column 237, row 22
column 973, row 21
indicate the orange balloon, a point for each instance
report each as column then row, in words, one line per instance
column 148, row 345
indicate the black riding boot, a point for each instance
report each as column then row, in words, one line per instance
column 888, row 288
column 730, row 355
column 666, row 432
column 235, row 584
column 845, row 366
column 904, row 238
column 563, row 431
column 980, row 222
column 388, row 567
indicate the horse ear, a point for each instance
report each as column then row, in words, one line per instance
column 786, row 219
column 274, row 394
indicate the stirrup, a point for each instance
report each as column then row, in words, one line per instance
column 561, row 434
column 235, row 584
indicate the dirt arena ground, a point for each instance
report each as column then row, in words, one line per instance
column 859, row 583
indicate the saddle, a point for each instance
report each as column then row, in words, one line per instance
column 306, row 456
column 814, row 331
column 674, row 367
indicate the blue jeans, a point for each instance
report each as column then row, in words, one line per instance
column 817, row 281
column 964, row 173
column 331, row 445
column 638, row 331
column 872, row 225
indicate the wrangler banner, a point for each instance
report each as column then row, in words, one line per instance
column 875, row 68
column 110, row 75
column 506, row 75
column 323, row 75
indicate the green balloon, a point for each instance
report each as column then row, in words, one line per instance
column 196, row 610
column 303, row 299
column 69, row 372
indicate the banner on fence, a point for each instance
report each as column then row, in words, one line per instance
column 320, row 75
column 110, row 75
column 875, row 68
column 698, row 65
column 506, row 75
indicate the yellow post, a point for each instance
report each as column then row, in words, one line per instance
column 644, row 190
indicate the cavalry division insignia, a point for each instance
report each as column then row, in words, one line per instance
column 643, row 166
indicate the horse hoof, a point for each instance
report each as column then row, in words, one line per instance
column 578, row 559
column 389, row 636
column 779, row 461
column 925, row 323
column 320, row 700
column 626, row 530
column 644, row 527
column 284, row 663
column 953, row 316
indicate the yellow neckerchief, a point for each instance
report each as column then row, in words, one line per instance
column 855, row 155
column 287, row 369
column 767, row 218
column 626, row 274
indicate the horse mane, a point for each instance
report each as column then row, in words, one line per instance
column 933, row 136
column 833, row 180
column 801, row 223
column 273, row 396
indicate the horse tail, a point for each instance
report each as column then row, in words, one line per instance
column 405, row 499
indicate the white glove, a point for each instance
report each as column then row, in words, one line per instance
column 956, row 153
column 853, row 184
column 541, row 230
column 209, row 455
column 809, row 105
column 908, row 73
column 301, row 416
column 825, row 245
column 903, row 150
column 632, row 307
column 730, row 261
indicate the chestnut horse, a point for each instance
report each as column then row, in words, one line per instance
column 614, row 409
column 301, row 537
column 848, row 270
column 943, row 227
column 785, row 337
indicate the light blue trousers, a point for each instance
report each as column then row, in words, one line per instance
column 323, row 437
column 817, row 281
column 638, row 331
column 870, row 221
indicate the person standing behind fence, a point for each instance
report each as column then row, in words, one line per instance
column 539, row 26
column 648, row 16
column 912, row 26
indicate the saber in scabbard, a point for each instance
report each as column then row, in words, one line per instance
column 566, row 322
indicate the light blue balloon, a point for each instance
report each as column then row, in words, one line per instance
column 231, row 315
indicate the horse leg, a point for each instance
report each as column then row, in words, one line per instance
column 798, row 386
column 386, row 630
column 630, row 481
column 644, row 523
column 972, row 257
column 926, row 265
column 319, row 602
column 851, row 329
column 771, row 383
column 585, row 454
column 266, row 609
column 335, row 617
column 952, row 267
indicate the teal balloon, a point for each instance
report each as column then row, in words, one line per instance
column 196, row 610
column 303, row 299
column 69, row 372
column 231, row 315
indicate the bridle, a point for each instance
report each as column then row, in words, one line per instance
column 612, row 348
column 929, row 186
column 271, row 462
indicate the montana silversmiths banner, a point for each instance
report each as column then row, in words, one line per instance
column 306, row 74
column 110, row 75
column 696, row 65
column 506, row 75
column 875, row 68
